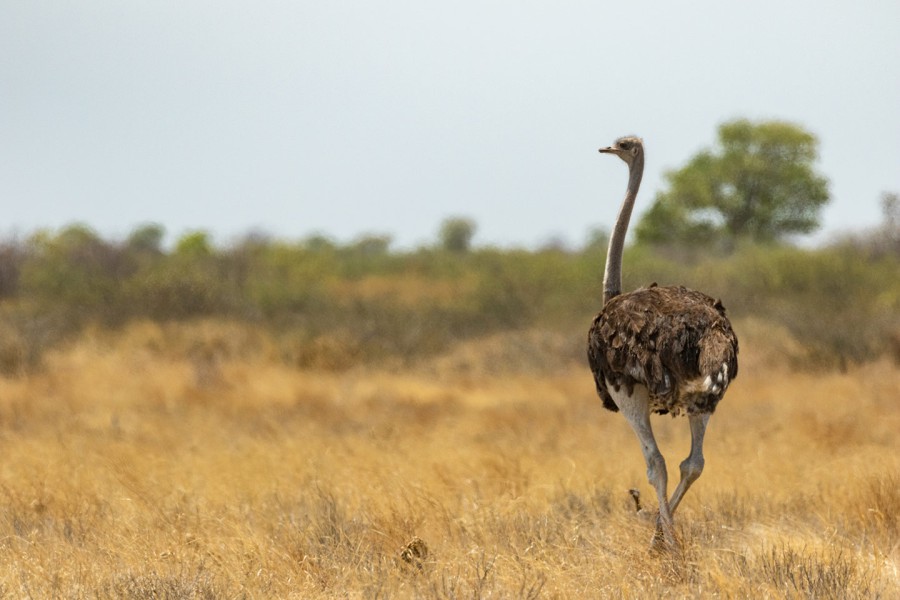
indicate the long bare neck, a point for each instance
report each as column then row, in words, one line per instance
column 612, row 278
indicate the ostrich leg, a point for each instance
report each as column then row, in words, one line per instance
column 692, row 466
column 636, row 410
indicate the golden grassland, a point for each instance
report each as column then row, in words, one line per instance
column 188, row 461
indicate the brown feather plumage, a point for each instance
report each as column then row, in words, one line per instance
column 675, row 341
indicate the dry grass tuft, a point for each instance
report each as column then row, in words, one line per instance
column 190, row 462
column 788, row 571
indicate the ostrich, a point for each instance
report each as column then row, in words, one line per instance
column 661, row 349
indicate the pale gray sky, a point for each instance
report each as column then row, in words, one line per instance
column 386, row 117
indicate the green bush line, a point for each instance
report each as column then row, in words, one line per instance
column 841, row 302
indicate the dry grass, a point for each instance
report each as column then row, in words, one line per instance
column 188, row 462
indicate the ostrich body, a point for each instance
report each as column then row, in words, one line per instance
column 660, row 349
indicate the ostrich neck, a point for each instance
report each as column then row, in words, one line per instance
column 612, row 278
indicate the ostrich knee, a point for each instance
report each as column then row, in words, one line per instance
column 691, row 468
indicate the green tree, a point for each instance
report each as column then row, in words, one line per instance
column 146, row 239
column 371, row 245
column 456, row 234
column 194, row 244
column 74, row 268
column 193, row 280
column 759, row 183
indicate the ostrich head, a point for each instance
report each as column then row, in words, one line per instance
column 627, row 148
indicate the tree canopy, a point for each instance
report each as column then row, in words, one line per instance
column 759, row 183
column 456, row 234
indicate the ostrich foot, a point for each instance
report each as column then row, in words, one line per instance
column 664, row 539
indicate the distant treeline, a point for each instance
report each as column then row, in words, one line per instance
column 363, row 301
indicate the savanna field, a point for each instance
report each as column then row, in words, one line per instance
column 189, row 461
column 310, row 420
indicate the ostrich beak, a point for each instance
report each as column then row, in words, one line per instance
column 608, row 150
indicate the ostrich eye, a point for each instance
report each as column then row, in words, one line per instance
column 623, row 145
